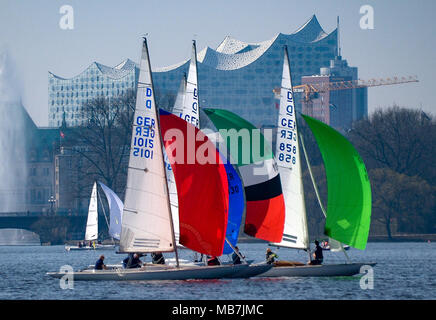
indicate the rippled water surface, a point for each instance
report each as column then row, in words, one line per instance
column 403, row 271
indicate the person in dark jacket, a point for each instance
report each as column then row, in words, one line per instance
column 157, row 258
column 99, row 265
column 213, row 261
column 235, row 256
column 132, row 261
column 317, row 254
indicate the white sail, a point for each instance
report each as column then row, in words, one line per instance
column 116, row 210
column 146, row 224
column 190, row 111
column 180, row 98
column 91, row 232
column 295, row 233
column 186, row 107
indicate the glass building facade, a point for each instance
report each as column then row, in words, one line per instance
column 66, row 96
column 236, row 76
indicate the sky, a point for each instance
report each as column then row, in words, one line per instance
column 402, row 42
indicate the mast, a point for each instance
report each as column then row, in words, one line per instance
column 339, row 39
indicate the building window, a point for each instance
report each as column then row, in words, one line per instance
column 45, row 172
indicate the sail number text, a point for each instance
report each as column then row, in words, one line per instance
column 286, row 146
column 144, row 132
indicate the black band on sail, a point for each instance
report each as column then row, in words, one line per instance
column 265, row 190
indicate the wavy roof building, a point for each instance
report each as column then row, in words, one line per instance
column 66, row 96
column 237, row 76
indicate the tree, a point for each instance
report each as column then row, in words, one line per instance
column 52, row 229
column 101, row 146
column 403, row 140
column 408, row 200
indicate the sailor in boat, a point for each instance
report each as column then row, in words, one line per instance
column 317, row 254
column 99, row 265
column 270, row 256
column 132, row 261
column 236, row 256
column 157, row 258
column 213, row 261
column 198, row 259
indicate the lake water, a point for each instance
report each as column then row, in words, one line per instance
column 403, row 271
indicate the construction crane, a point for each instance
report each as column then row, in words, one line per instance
column 312, row 90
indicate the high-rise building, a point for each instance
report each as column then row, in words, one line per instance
column 237, row 76
column 338, row 108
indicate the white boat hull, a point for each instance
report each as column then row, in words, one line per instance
column 156, row 272
column 97, row 247
column 325, row 270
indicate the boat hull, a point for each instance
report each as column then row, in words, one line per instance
column 325, row 270
column 97, row 247
column 251, row 271
column 155, row 273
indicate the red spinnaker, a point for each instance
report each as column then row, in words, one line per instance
column 202, row 188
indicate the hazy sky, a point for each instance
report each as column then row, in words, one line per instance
column 401, row 43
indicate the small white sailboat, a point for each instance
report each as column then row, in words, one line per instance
column 91, row 231
column 295, row 233
column 147, row 224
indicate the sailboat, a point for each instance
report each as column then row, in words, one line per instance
column 348, row 214
column 115, row 211
column 91, row 231
column 147, row 224
column 187, row 107
column 349, row 191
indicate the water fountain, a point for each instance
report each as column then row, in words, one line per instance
column 13, row 168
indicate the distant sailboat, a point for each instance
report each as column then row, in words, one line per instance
column 115, row 211
column 349, row 191
column 91, row 231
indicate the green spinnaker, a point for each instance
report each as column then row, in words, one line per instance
column 348, row 187
column 245, row 148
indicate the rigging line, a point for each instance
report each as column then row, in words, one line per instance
column 311, row 175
